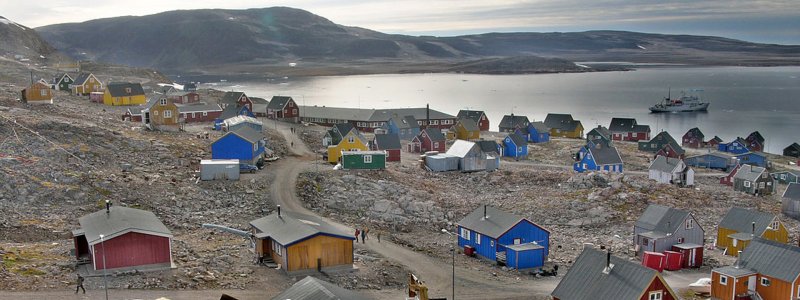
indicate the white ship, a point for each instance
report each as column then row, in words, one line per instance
column 685, row 103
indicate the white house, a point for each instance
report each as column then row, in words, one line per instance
column 671, row 171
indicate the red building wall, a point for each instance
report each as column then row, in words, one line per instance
column 657, row 285
column 428, row 145
column 132, row 249
column 198, row 116
column 291, row 110
column 393, row 155
column 483, row 124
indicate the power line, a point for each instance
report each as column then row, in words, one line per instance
column 47, row 140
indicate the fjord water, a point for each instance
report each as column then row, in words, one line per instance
column 743, row 99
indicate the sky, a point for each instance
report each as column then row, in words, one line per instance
column 775, row 21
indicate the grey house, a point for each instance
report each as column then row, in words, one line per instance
column 753, row 180
column 470, row 156
column 669, row 170
column 790, row 202
column 661, row 227
column 311, row 288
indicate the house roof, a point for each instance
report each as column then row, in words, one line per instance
column 231, row 111
column 387, row 141
column 60, row 76
column 311, row 288
column 135, row 110
column 749, row 172
column 200, row 107
column 494, row 225
column 419, row 113
column 715, row 154
column 757, row 136
column 291, row 227
column 247, row 133
column 664, row 135
column 773, row 259
column 120, row 220
column 665, row 164
column 488, row 146
column 571, row 125
column 119, row 89
column 796, row 146
column 716, row 139
column 474, row 115
column 517, row 139
column 622, row 124
column 696, row 132
column 605, row 155
column 539, row 126
column 434, row 134
column 733, row 271
column 557, row 120
column 257, row 100
column 511, row 121
column 741, row 220
column 173, row 93
column 81, row 79
column 792, row 191
column 344, row 128
column 661, row 219
column 675, row 146
column 410, row 122
column 641, row 128
column 586, row 279
column 525, row 246
column 231, row 98
column 469, row 125
column 152, row 100
column 278, row 102
column 461, row 148
column 337, row 113
column 601, row 131
column 242, row 119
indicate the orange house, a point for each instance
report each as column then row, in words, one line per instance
column 160, row 114
column 767, row 268
column 85, row 84
column 37, row 93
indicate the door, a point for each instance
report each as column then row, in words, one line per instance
column 692, row 254
column 302, row 253
column 751, row 283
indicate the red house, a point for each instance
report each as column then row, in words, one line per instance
column 388, row 142
column 236, row 98
column 199, row 113
column 182, row 97
column 728, row 179
column 122, row 237
column 626, row 129
column 430, row 139
column 599, row 275
column 714, row 142
column 133, row 114
column 282, row 107
column 671, row 150
column 693, row 138
column 476, row 115
column 755, row 142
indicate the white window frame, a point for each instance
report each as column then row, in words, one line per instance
column 477, row 238
column 367, row 159
column 689, row 224
column 656, row 295
column 735, row 242
column 765, row 281
column 155, row 112
column 746, row 184
column 465, row 233
column 163, row 101
column 277, row 248
column 435, row 144
column 43, row 92
column 351, row 139
column 255, row 147
column 723, row 280
column 776, row 225
column 680, row 240
column 205, row 114
column 167, row 114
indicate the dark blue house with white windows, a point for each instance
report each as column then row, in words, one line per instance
column 752, row 158
column 245, row 144
column 505, row 238
column 538, row 132
column 597, row 156
column 737, row 146
column 515, row 145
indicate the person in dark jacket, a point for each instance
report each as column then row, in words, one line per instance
column 80, row 284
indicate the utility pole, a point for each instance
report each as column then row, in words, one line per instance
column 105, row 282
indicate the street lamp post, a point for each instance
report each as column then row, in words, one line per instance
column 453, row 248
column 105, row 282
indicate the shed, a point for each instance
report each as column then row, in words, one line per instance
column 671, row 171
column 493, row 153
column 713, row 160
column 692, row 254
column 311, row 288
column 234, row 123
column 790, row 201
column 470, row 156
column 363, row 160
column 515, row 146
column 525, row 256
column 441, row 162
column 37, row 92
column 132, row 238
column 259, row 106
column 219, row 169
column 654, row 260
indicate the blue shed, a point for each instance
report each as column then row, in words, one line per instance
column 231, row 111
column 753, row 158
column 597, row 157
column 491, row 232
column 538, row 133
column 525, row 256
column 244, row 144
column 515, row 145
column 714, row 160
column 737, row 146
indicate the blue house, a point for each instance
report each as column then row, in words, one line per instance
column 406, row 127
column 596, row 156
column 244, row 144
column 504, row 237
column 714, row 160
column 787, row 177
column 538, row 133
column 515, row 146
column 737, row 146
column 231, row 111
column 753, row 158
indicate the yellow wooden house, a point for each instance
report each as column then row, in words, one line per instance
column 466, row 129
column 37, row 93
column 124, row 93
column 740, row 226
column 563, row 125
column 160, row 114
column 85, row 84
column 352, row 141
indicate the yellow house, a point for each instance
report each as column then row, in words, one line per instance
column 740, row 226
column 563, row 125
column 85, row 84
column 352, row 141
column 467, row 129
column 124, row 93
column 160, row 113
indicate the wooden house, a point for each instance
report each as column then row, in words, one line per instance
column 790, row 201
column 470, row 156
column 672, row 150
column 244, row 144
column 740, row 226
column 598, row 132
column 337, row 132
column 363, row 160
column 183, row 97
column 299, row 242
column 755, row 141
column 133, row 114
column 766, row 270
column 351, row 141
column 478, row 116
column 85, row 84
column 159, row 113
column 466, row 129
column 311, row 288
column 737, row 146
column 787, row 177
column 658, row 142
column 406, row 127
column 283, row 108
column 792, row 150
column 236, row 99
column 598, row 157
column 562, row 125
column 713, row 143
column 62, row 82
column 693, row 138
column 753, row 158
column 597, row 274
column 712, row 160
column 199, row 112
column 131, row 239
column 389, row 143
column 626, row 129
column 753, row 180
column 504, row 237
column 538, row 132
column 259, row 106
column 661, row 227
column 728, row 179
column 124, row 93
column 515, row 146
column 668, row 170
column 231, row 111
column 430, row 139
column 37, row 93
column 512, row 123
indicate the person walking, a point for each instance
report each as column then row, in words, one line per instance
column 379, row 236
column 366, row 233
column 363, row 235
column 80, row 284
column 357, row 232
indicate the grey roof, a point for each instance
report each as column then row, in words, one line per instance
column 257, row 100
column 665, row 164
column 496, row 223
column 118, row 89
column 622, row 124
column 511, row 121
column 687, row 246
column 641, row 128
column 198, row 108
column 587, row 281
column 434, row 134
column 605, row 155
column 740, row 220
column 474, row 115
column 733, row 271
column 518, row 139
column 557, row 120
column 337, row 113
column 173, row 92
column 461, row 148
column 293, row 227
column 278, row 102
column 60, row 76
column 469, row 124
column 120, row 220
column 230, row 111
column 410, row 122
column 772, row 258
column 231, row 98
column 81, row 79
column 601, row 131
column 344, row 128
column 488, row 146
column 387, row 141
column 152, row 100
column 716, row 138
column 749, row 172
column 135, row 110
column 716, row 154
column 242, row 119
column 248, row 133
column 311, row 288
column 525, row 246
column 742, row 236
column 418, row 113
column 792, row 191
column 675, row 146
column 539, row 126
column 664, row 135
column 662, row 219
column 793, row 145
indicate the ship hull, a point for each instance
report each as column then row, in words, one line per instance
column 680, row 108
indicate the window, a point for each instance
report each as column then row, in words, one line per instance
column 294, row 111
column 205, row 114
column 483, row 117
column 735, row 242
column 43, row 92
column 783, row 176
column 747, row 184
column 680, row 240
column 477, row 238
column 155, row 112
column 351, row 139
column 689, row 224
column 655, row 295
column 128, row 90
column 765, row 281
column 519, row 149
column 276, row 248
column 167, row 114
column 723, row 280
column 255, row 147
column 436, row 145
column 291, row 104
column 491, row 243
column 465, row 233
column 653, row 146
column 163, row 101
column 367, row 159
column 517, row 241
column 776, row 225
column 645, row 241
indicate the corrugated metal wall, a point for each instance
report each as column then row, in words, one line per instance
column 132, row 249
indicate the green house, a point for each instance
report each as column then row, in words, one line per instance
column 363, row 160
column 62, row 81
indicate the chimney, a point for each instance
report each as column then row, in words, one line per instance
column 108, row 206
column 428, row 115
column 484, row 212
column 753, row 233
column 609, row 266
column 279, row 210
